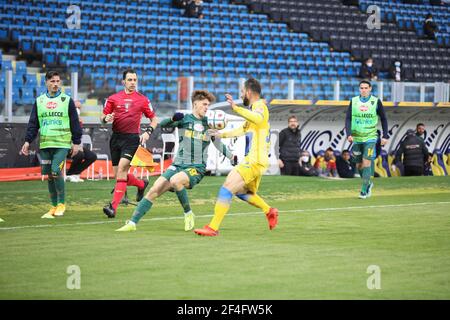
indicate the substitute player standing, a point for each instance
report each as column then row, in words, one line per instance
column 124, row 109
column 361, row 125
column 189, row 166
column 55, row 117
column 244, row 180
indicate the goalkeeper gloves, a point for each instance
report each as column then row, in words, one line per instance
column 177, row 116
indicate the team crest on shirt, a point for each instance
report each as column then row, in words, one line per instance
column 199, row 127
column 63, row 99
column 363, row 108
column 51, row 105
column 259, row 109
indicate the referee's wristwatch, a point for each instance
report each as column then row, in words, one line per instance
column 149, row 130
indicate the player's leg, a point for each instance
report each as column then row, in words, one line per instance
column 357, row 153
column 250, row 196
column 368, row 158
column 160, row 186
column 58, row 159
column 187, row 178
column 233, row 184
column 46, row 169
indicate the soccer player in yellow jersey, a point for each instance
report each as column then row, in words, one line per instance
column 243, row 181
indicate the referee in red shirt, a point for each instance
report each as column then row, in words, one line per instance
column 124, row 109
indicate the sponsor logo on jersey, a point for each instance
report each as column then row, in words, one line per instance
column 199, row 127
column 363, row 108
column 51, row 105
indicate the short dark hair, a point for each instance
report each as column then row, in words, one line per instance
column 51, row 74
column 201, row 95
column 253, row 85
column 127, row 71
column 365, row 81
column 420, row 124
column 345, row 151
column 329, row 149
column 292, row 117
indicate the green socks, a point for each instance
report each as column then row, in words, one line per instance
column 143, row 206
column 366, row 174
column 184, row 200
column 52, row 191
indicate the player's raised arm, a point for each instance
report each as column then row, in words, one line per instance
column 237, row 132
column 172, row 122
column 255, row 117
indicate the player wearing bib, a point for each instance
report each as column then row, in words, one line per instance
column 361, row 127
column 189, row 166
column 55, row 117
column 244, row 180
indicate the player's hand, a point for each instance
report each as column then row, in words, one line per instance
column 213, row 133
column 75, row 149
column 25, row 149
column 234, row 160
column 109, row 117
column 350, row 139
column 384, row 141
column 280, row 163
column 178, row 116
column 144, row 137
column 230, row 101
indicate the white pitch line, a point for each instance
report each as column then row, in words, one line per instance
column 230, row 214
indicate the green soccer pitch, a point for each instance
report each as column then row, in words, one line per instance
column 323, row 247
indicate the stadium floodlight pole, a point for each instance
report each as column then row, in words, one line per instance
column 241, row 84
column 190, row 89
column 8, row 96
column 337, row 90
column 380, row 90
column 74, row 85
column 291, row 86
column 422, row 92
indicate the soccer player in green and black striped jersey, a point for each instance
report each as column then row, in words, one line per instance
column 189, row 165
column 361, row 127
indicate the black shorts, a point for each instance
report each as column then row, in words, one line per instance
column 123, row 145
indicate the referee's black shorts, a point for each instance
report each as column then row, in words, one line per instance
column 123, row 145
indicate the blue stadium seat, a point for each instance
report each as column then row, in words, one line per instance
column 27, row 96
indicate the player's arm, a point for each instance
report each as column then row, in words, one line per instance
column 348, row 122
column 223, row 150
column 75, row 128
column 32, row 130
column 239, row 131
column 255, row 117
column 384, row 123
column 173, row 122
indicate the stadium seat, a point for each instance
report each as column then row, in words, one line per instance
column 435, row 167
column 379, row 169
column 439, row 161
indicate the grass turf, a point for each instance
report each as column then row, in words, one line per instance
column 324, row 243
